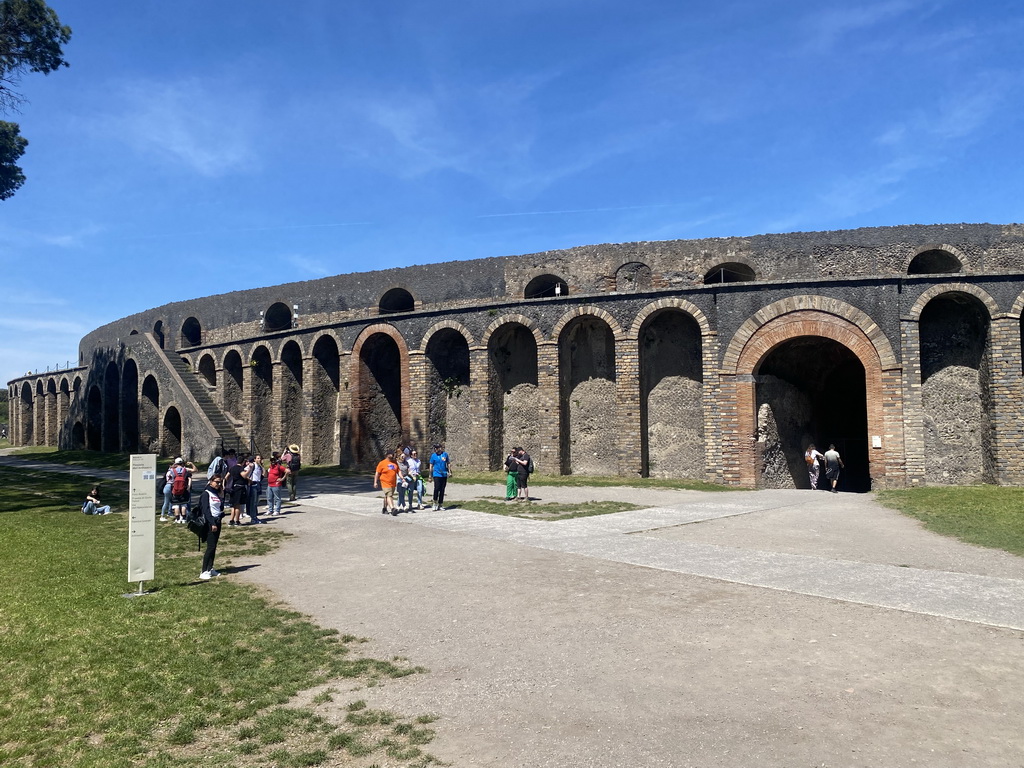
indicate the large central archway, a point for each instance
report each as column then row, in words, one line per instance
column 811, row 390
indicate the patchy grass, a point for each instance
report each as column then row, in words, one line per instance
column 581, row 481
column 987, row 515
column 193, row 674
column 96, row 459
column 531, row 510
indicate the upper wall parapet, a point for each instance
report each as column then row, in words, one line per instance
column 969, row 249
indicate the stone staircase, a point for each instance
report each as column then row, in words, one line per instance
column 229, row 434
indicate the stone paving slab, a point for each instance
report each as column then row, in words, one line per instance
column 966, row 597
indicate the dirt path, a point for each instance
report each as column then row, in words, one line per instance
column 541, row 657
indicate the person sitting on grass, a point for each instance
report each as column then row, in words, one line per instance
column 93, row 505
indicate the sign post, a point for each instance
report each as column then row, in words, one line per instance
column 142, row 520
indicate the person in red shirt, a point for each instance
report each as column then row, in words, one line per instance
column 386, row 478
column 275, row 485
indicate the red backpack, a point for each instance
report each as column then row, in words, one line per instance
column 179, row 486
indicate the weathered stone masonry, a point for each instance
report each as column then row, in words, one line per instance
column 716, row 359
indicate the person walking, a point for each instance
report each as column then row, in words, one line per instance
column 833, row 463
column 238, row 477
column 293, row 461
column 417, row 479
column 212, row 505
column 440, row 471
column 275, row 485
column 385, row 478
column 812, row 457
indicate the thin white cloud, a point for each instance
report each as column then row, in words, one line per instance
column 204, row 126
column 827, row 27
column 309, row 266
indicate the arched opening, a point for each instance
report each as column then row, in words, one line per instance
column 39, row 415
column 133, row 333
column 324, row 401
column 208, row 370
column 449, row 406
column 77, row 437
column 955, row 391
column 546, row 286
column 729, row 272
column 112, row 408
column 130, row 403
column 233, row 385
column 586, row 351
column 811, row 389
column 158, row 333
column 633, row 277
column 262, row 400
column 378, row 405
column 63, row 408
column 515, row 403
column 291, row 393
column 396, row 300
column 26, row 416
column 149, row 416
column 172, row 433
column 51, row 412
column 935, row 261
column 94, row 419
column 191, row 333
column 671, row 397
column 278, row 317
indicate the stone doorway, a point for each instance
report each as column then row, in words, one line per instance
column 811, row 389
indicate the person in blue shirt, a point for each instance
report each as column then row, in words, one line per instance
column 440, row 470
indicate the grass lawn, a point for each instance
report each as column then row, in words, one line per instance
column 194, row 674
column 531, row 510
column 987, row 515
column 95, row 459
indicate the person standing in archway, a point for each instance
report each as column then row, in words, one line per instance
column 833, row 463
column 813, row 457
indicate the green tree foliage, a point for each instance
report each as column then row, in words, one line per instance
column 31, row 40
column 3, row 406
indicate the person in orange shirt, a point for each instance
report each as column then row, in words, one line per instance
column 386, row 478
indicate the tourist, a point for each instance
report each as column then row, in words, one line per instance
column 833, row 463
column 812, row 458
column 404, row 482
column 212, row 506
column 523, row 474
column 93, row 505
column 275, row 484
column 440, row 471
column 165, row 510
column 238, row 478
column 181, row 488
column 255, row 489
column 293, row 461
column 417, row 479
column 511, row 473
column 385, row 478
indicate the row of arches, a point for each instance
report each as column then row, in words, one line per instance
column 591, row 396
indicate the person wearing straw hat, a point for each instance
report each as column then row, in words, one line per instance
column 293, row 462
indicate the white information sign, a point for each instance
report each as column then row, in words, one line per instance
column 142, row 518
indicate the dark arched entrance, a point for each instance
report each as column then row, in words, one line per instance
column 811, row 390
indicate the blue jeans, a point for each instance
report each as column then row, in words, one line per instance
column 274, row 499
column 166, row 509
column 254, row 501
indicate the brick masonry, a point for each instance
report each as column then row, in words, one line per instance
column 377, row 383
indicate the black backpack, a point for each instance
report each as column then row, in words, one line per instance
column 295, row 464
column 196, row 522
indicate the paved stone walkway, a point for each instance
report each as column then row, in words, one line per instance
column 624, row 538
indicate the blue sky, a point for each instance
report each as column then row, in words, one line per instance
column 199, row 147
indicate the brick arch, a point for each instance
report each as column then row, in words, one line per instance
column 965, row 262
column 358, row 385
column 446, row 324
column 661, row 304
column 938, row 290
column 1018, row 306
column 587, row 310
column 228, row 350
column 818, row 306
column 523, row 320
column 751, row 345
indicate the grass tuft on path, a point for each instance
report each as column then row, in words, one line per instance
column 987, row 515
column 196, row 673
column 530, row 510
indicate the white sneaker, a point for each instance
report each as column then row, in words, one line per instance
column 164, row 519
column 214, row 572
column 205, row 575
